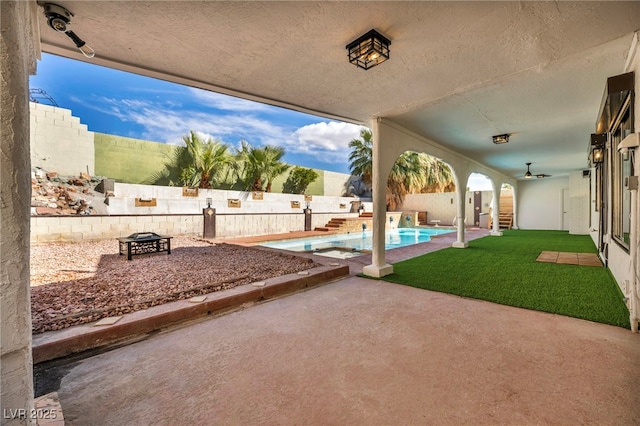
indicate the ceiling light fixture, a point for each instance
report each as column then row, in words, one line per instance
column 498, row 139
column 59, row 18
column 369, row 50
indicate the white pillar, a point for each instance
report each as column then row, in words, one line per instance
column 17, row 60
column 379, row 267
column 495, row 210
column 460, row 215
column 515, row 208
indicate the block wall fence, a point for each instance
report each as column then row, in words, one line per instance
column 86, row 228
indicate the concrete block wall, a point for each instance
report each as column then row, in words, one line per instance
column 73, row 228
column 442, row 206
column 335, row 183
column 59, row 141
column 169, row 200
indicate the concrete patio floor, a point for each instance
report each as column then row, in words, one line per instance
column 360, row 351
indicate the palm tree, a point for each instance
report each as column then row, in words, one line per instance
column 406, row 176
column 439, row 176
column 273, row 166
column 412, row 172
column 199, row 163
column 361, row 156
column 256, row 166
column 209, row 161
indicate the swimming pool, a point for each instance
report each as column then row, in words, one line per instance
column 358, row 241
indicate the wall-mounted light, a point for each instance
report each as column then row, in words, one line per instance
column 598, row 142
column 369, row 50
column 209, row 200
column 58, row 18
column 597, row 155
column 499, row 139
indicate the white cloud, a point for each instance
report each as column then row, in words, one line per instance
column 332, row 136
column 225, row 102
column 162, row 121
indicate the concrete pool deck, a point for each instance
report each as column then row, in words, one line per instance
column 360, row 351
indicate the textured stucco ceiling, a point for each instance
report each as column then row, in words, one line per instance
column 459, row 71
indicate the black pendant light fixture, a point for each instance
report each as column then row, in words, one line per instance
column 369, row 50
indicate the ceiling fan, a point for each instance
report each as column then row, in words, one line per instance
column 529, row 175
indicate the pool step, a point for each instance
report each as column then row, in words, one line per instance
column 343, row 225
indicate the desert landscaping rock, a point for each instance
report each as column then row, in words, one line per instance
column 52, row 194
column 75, row 283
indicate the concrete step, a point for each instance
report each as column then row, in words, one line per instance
column 323, row 229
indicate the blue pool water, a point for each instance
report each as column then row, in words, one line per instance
column 359, row 241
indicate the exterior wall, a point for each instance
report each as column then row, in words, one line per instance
column 335, row 184
column 175, row 214
column 442, row 206
column 579, row 214
column 74, row 228
column 314, row 188
column 129, row 160
column 170, row 201
column 620, row 262
column 18, row 51
column 540, row 203
column 59, row 142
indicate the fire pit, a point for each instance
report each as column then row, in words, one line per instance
column 143, row 243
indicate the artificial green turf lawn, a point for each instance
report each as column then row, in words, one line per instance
column 504, row 270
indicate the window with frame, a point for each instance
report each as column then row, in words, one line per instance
column 622, row 168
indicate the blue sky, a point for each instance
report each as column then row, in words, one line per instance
column 124, row 104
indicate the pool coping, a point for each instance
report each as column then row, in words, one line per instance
column 261, row 243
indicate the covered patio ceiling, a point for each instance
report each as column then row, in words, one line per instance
column 459, row 72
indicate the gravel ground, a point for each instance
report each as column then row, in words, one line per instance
column 75, row 283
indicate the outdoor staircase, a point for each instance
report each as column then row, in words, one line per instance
column 505, row 221
column 343, row 225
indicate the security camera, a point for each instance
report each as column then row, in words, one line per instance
column 631, row 141
column 57, row 16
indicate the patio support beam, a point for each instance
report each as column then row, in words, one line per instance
column 460, row 213
column 495, row 209
column 380, row 171
column 18, row 52
column 515, row 208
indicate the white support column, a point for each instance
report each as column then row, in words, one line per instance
column 460, row 215
column 17, row 59
column 379, row 267
column 495, row 210
column 515, row 208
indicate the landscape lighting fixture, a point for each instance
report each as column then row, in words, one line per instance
column 58, row 18
column 499, row 139
column 369, row 50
